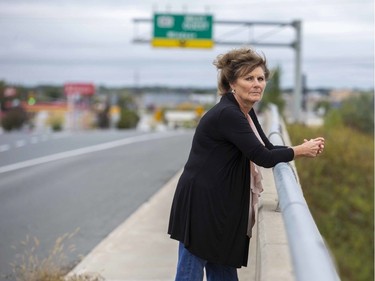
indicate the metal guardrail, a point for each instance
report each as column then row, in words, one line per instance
column 310, row 257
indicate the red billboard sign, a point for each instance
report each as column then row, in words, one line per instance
column 84, row 89
column 10, row 92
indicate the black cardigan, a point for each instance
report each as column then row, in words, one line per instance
column 211, row 203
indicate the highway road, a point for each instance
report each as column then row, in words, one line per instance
column 52, row 184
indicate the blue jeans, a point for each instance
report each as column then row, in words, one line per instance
column 190, row 268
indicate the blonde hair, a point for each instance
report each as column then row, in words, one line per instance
column 237, row 63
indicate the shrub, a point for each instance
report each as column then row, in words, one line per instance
column 338, row 187
column 356, row 113
column 13, row 119
column 128, row 119
column 103, row 118
column 56, row 122
column 273, row 93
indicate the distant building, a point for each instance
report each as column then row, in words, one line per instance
column 337, row 96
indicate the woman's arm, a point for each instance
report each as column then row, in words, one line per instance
column 309, row 148
column 234, row 127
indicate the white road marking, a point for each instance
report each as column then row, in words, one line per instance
column 85, row 150
column 20, row 143
column 34, row 140
column 4, row 147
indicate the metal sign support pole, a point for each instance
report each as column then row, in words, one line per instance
column 298, row 74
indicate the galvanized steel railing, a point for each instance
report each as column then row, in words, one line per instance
column 311, row 258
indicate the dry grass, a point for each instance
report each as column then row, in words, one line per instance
column 29, row 266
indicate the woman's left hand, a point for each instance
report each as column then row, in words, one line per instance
column 321, row 145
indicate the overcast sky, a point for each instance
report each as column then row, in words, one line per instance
column 47, row 41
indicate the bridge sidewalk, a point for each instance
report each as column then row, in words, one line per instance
column 140, row 249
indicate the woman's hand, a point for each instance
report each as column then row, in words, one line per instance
column 309, row 148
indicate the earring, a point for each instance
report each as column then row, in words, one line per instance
column 233, row 91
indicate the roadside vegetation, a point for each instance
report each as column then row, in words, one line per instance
column 31, row 265
column 339, row 185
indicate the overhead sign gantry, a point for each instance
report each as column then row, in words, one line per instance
column 196, row 31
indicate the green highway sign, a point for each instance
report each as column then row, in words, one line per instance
column 182, row 30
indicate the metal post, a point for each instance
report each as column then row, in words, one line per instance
column 298, row 73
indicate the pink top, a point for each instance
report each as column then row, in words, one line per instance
column 255, row 182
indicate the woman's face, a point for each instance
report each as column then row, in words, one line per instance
column 249, row 88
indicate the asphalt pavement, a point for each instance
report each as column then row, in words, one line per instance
column 92, row 182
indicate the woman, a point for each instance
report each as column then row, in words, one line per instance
column 210, row 210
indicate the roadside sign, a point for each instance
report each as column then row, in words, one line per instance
column 182, row 31
column 84, row 89
column 10, row 92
